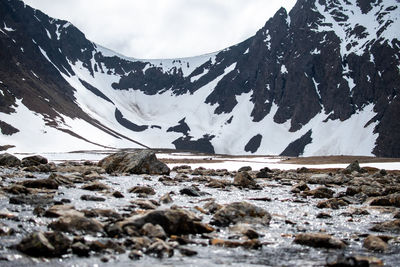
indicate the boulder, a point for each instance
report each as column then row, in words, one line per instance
column 50, row 244
column 138, row 162
column 8, row 160
column 353, row 167
column 40, row 183
column 332, row 203
column 319, row 240
column 264, row 173
column 151, row 230
column 320, row 192
column 56, row 211
column 375, row 243
column 142, row 190
column 95, row 186
column 321, row 178
column 242, row 212
column 243, row 179
column 33, row 161
column 249, row 244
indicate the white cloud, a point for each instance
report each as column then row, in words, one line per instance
column 164, row 28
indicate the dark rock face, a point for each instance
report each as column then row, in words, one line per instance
column 296, row 148
column 9, row 160
column 253, row 144
column 201, row 145
column 7, row 129
column 138, row 162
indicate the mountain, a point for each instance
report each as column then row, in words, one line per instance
column 321, row 80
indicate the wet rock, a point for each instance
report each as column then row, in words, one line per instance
column 245, row 169
column 352, row 190
column 142, row 190
column 166, row 199
column 246, row 230
column 390, row 200
column 187, row 252
column 299, row 187
column 117, row 194
column 323, row 215
column 40, row 183
column 135, row 254
column 320, row 192
column 62, row 210
column 96, row 186
column 173, row 221
column 6, row 214
column 92, row 198
column 138, row 243
column 33, row 161
column 138, row 162
column 249, row 244
column 108, row 213
column 64, row 180
column 321, row 179
column 74, row 224
column 242, row 212
column 191, row 191
column 34, row 200
column 352, row 261
column 6, row 230
column 160, row 249
column 17, row 189
column 264, row 173
column 50, row 244
column 243, row 179
column 375, row 243
column 145, row 204
column 388, row 226
column 319, row 240
column 151, row 230
column 80, row 249
column 332, row 203
column 212, row 206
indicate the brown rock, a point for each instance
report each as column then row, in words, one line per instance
column 243, row 179
column 50, row 244
column 320, row 192
column 389, row 226
column 142, row 190
column 332, row 203
column 319, row 240
column 9, row 160
column 77, row 224
column 96, row 186
column 375, row 243
column 250, row 244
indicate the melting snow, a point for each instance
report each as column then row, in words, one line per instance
column 8, row 28
column 283, row 69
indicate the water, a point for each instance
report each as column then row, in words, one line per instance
column 290, row 216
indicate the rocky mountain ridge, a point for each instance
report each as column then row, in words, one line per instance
column 321, row 80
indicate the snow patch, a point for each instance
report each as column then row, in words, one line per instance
column 9, row 29
column 247, row 51
column 283, row 69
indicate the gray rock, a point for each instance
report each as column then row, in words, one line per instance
column 321, row 179
column 160, row 249
column 8, row 160
column 353, row 167
column 142, row 190
column 151, row 230
column 245, row 169
column 242, row 212
column 390, row 200
column 138, row 162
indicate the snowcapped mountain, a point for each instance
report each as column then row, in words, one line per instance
column 321, row 80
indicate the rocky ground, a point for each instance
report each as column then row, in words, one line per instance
column 131, row 208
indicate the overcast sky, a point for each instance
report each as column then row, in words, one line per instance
column 164, row 28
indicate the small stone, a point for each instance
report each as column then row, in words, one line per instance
column 117, row 194
column 80, row 249
column 166, row 199
column 264, row 173
column 388, row 226
column 323, row 215
column 190, row 191
column 92, row 198
column 299, row 187
column 332, row 203
column 187, row 252
column 245, row 169
column 135, row 254
column 320, row 192
column 249, row 244
column 142, row 190
column 96, row 186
